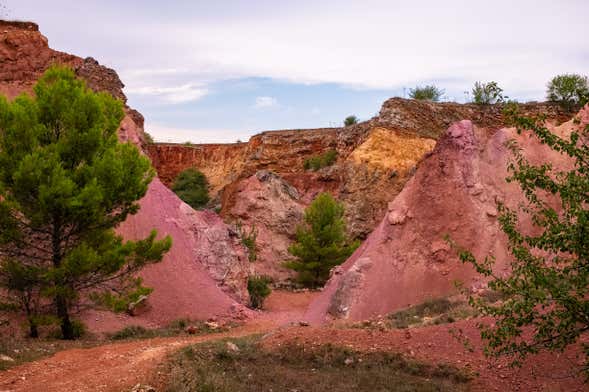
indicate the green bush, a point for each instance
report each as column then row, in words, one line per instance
column 317, row 162
column 487, row 93
column 78, row 327
column 148, row 138
column 192, row 187
column 258, row 289
column 427, row 93
column 132, row 331
column 568, row 90
column 320, row 243
column 350, row 120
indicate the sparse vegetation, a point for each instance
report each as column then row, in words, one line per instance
column 350, row 120
column 433, row 311
column 427, row 93
column 317, row 162
column 65, row 184
column 320, row 243
column 487, row 93
column 148, row 138
column 192, row 187
column 569, row 90
column 547, row 303
column 27, row 350
column 248, row 239
column 258, row 288
column 293, row 367
column 175, row 328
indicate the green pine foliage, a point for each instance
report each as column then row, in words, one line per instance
column 65, row 184
column 568, row 90
column 192, row 187
column 427, row 93
column 317, row 162
column 350, row 120
column 546, row 305
column 320, row 243
column 258, row 288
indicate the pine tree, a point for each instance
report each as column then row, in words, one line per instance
column 320, row 243
column 192, row 187
column 65, row 183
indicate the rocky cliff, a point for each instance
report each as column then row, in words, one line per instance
column 205, row 273
column 454, row 192
column 375, row 160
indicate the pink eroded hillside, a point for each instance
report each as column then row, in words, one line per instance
column 205, row 273
column 454, row 192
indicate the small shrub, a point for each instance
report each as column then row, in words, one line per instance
column 192, row 187
column 248, row 239
column 78, row 327
column 148, row 138
column 258, row 288
column 487, row 93
column 427, row 93
column 350, row 120
column 317, row 162
column 131, row 332
column 568, row 90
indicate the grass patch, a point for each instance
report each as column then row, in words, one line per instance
column 215, row 367
column 317, row 162
column 175, row 328
column 433, row 311
column 23, row 350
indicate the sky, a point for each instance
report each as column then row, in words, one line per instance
column 219, row 71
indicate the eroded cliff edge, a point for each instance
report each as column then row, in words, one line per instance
column 375, row 160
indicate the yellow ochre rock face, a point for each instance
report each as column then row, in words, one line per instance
column 389, row 150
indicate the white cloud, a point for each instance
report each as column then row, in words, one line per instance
column 265, row 102
column 173, row 95
column 167, row 134
column 384, row 44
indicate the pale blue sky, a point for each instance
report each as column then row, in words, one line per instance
column 223, row 70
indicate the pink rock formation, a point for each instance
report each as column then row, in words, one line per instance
column 454, row 192
column 271, row 206
column 205, row 272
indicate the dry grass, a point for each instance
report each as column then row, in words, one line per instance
column 214, row 367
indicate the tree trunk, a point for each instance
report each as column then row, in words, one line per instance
column 33, row 330
column 67, row 329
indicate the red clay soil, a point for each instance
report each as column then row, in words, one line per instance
column 436, row 344
column 119, row 366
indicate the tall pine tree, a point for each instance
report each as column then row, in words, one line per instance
column 65, row 184
column 321, row 242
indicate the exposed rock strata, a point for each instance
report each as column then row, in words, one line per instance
column 454, row 192
column 375, row 160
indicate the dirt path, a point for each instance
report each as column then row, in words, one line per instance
column 112, row 367
column 118, row 367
